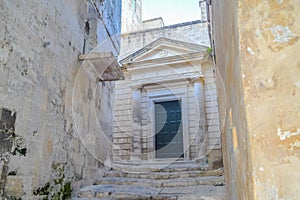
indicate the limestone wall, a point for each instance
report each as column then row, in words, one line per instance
column 131, row 15
column 122, row 136
column 153, row 23
column 193, row 32
column 257, row 43
column 203, row 10
column 123, row 120
column 52, row 121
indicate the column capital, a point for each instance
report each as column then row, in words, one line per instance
column 136, row 87
column 199, row 80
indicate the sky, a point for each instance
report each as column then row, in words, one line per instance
column 172, row 11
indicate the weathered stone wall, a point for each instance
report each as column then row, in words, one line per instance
column 41, row 135
column 257, row 43
column 122, row 136
column 203, row 10
column 112, row 15
column 131, row 15
column 123, row 120
column 153, row 23
column 193, row 32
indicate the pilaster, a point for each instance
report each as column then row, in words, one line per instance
column 201, row 136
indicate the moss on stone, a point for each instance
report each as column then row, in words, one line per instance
column 45, row 190
column 56, row 189
column 209, row 51
column 66, row 190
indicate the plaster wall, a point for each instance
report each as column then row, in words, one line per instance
column 256, row 46
column 54, row 102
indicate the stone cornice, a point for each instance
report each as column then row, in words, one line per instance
column 163, row 43
column 147, row 83
column 164, row 27
column 200, row 57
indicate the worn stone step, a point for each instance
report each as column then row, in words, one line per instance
column 109, row 192
column 200, row 192
column 207, row 180
column 163, row 175
column 159, row 167
column 122, row 192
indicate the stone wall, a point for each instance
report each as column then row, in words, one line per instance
column 153, row 23
column 131, row 15
column 203, row 9
column 49, row 106
column 122, row 137
column 193, row 32
column 257, row 44
column 123, row 117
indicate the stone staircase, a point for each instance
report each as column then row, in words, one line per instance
column 176, row 181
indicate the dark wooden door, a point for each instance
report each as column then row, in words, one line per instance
column 168, row 130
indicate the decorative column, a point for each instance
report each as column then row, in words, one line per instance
column 136, row 124
column 201, row 135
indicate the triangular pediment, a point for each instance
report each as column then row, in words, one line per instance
column 163, row 48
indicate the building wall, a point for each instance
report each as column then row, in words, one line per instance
column 203, row 9
column 122, row 136
column 123, row 116
column 131, row 15
column 47, row 100
column 193, row 32
column 153, row 23
column 112, row 15
column 256, row 44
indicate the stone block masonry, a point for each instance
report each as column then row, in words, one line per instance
column 124, row 130
column 41, row 153
column 193, row 32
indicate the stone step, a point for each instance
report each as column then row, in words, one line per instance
column 159, row 167
column 117, row 192
column 157, row 181
column 163, row 175
column 206, row 180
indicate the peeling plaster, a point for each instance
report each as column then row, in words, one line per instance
column 295, row 144
column 270, row 83
column 261, row 169
column 287, row 134
column 297, row 84
column 269, row 29
column 258, row 32
column 282, row 34
column 250, row 51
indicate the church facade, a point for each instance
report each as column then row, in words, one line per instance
column 166, row 109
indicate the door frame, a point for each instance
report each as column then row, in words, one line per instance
column 166, row 93
column 178, row 103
